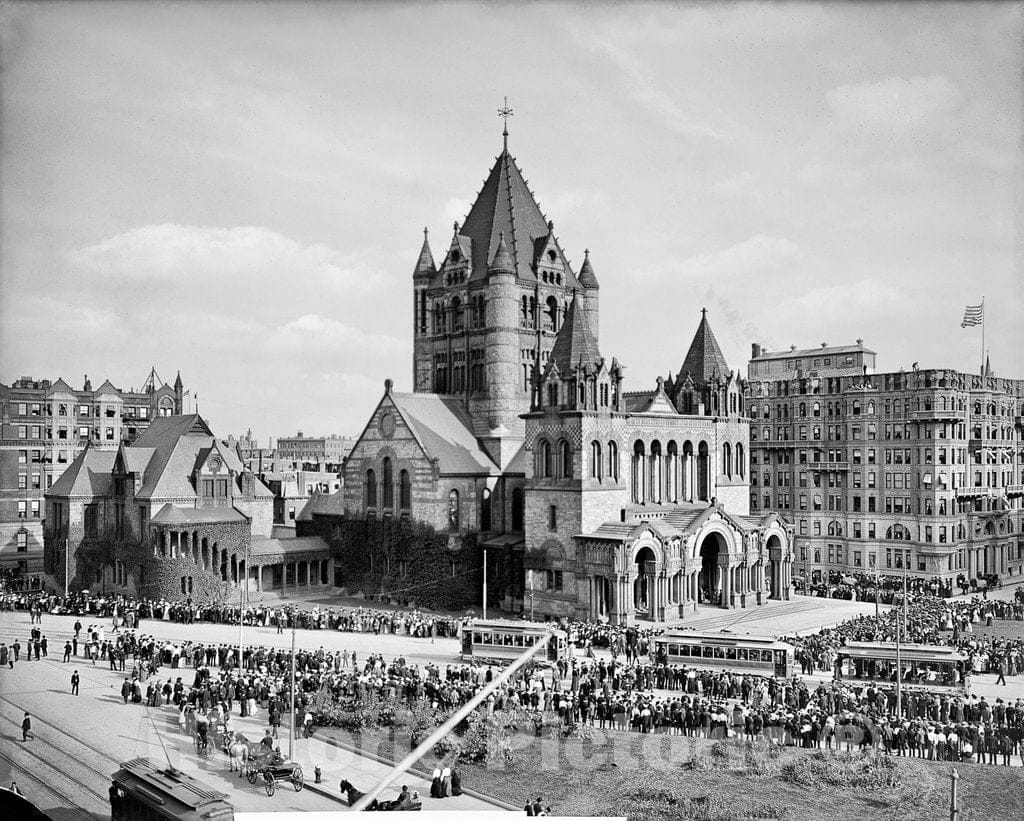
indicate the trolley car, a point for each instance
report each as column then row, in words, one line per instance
column 925, row 666
column 144, row 791
column 504, row 641
column 762, row 655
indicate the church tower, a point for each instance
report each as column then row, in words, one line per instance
column 489, row 311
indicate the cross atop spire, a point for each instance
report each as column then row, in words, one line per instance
column 505, row 112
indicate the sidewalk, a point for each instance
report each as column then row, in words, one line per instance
column 337, row 762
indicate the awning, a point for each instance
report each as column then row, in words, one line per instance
column 504, row 540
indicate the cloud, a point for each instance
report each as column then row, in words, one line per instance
column 184, row 253
column 758, row 253
column 326, row 338
column 894, row 104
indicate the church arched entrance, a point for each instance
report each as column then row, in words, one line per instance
column 643, row 585
column 774, row 571
column 712, row 552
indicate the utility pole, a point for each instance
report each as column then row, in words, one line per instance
column 901, row 625
column 67, row 563
column 531, row 594
column 243, row 588
column 291, row 713
column 485, row 582
column 954, row 810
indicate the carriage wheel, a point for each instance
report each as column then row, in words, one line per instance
column 251, row 772
column 270, row 786
column 297, row 779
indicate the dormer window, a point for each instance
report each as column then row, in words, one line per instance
column 454, row 257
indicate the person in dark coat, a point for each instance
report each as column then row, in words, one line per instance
column 435, row 783
column 26, row 728
column 456, row 782
column 75, row 678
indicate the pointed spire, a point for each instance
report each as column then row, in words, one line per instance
column 586, row 277
column 704, row 359
column 177, row 381
column 425, row 264
column 575, row 343
column 502, row 261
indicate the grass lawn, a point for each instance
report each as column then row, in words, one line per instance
column 649, row 777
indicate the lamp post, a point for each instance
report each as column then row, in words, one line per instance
column 243, row 589
column 291, row 712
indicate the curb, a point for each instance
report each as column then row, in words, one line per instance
column 490, row 799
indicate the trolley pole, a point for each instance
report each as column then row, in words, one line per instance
column 485, row 583
column 291, row 713
column 67, row 564
column 954, row 810
column 531, row 594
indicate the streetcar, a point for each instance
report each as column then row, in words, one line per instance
column 925, row 666
column 761, row 655
column 504, row 641
column 145, row 791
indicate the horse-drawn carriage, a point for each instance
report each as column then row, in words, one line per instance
column 269, row 767
column 404, row 801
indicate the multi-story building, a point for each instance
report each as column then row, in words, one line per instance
column 327, row 451
column 919, row 470
column 175, row 514
column 44, row 425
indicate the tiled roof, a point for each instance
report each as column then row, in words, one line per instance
column 171, row 515
column 613, row 531
column 505, row 205
column 445, row 431
column 137, row 458
column 425, row 264
column 87, row 475
column 705, row 357
column 575, row 343
column 637, row 401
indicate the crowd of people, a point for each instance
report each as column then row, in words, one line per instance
column 889, row 587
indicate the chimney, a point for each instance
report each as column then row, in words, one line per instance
column 755, row 350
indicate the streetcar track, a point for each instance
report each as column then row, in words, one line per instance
column 102, row 799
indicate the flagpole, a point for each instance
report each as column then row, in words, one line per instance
column 983, row 336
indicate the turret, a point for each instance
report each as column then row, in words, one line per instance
column 504, row 391
column 590, row 293
column 179, row 395
column 422, row 275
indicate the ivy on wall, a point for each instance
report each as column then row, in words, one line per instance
column 413, row 562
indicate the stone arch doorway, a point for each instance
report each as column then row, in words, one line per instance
column 773, row 572
column 643, row 584
column 713, row 551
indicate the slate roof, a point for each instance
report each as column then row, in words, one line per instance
column 425, row 264
column 804, row 352
column 705, row 357
column 281, row 547
column 87, row 475
column 587, row 278
column 505, row 205
column 322, row 504
column 575, row 343
column 136, row 458
column 637, row 401
column 171, row 515
column 445, row 431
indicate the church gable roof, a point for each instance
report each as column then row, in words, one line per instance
column 504, row 205
column 575, row 343
column 705, row 357
column 176, row 442
column 444, row 431
column 88, row 475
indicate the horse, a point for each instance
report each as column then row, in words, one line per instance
column 351, row 793
column 238, row 754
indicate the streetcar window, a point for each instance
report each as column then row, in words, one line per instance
column 709, row 652
column 741, row 654
column 730, row 653
column 685, row 650
column 719, row 653
column 483, row 638
column 517, row 641
column 507, row 639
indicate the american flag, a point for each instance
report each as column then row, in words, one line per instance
column 973, row 315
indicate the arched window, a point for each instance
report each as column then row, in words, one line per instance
column 727, row 459
column 565, row 456
column 389, row 484
column 613, row 461
column 753, row 411
column 405, row 491
column 485, row 510
column 835, row 529
column 453, row 510
column 457, row 314
column 703, row 473
column 856, row 407
column 545, row 459
column 741, row 468
column 517, row 509
column 551, row 314
column 638, row 472
column 816, row 409
column 803, row 409
column 371, row 488
column 595, row 460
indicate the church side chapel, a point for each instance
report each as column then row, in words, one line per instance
column 518, row 439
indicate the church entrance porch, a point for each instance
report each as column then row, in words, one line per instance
column 714, row 557
column 644, row 584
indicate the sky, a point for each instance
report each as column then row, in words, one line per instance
column 238, row 190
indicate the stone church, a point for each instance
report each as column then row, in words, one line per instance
column 618, row 505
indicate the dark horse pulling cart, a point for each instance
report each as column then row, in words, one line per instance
column 270, row 768
column 404, row 801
